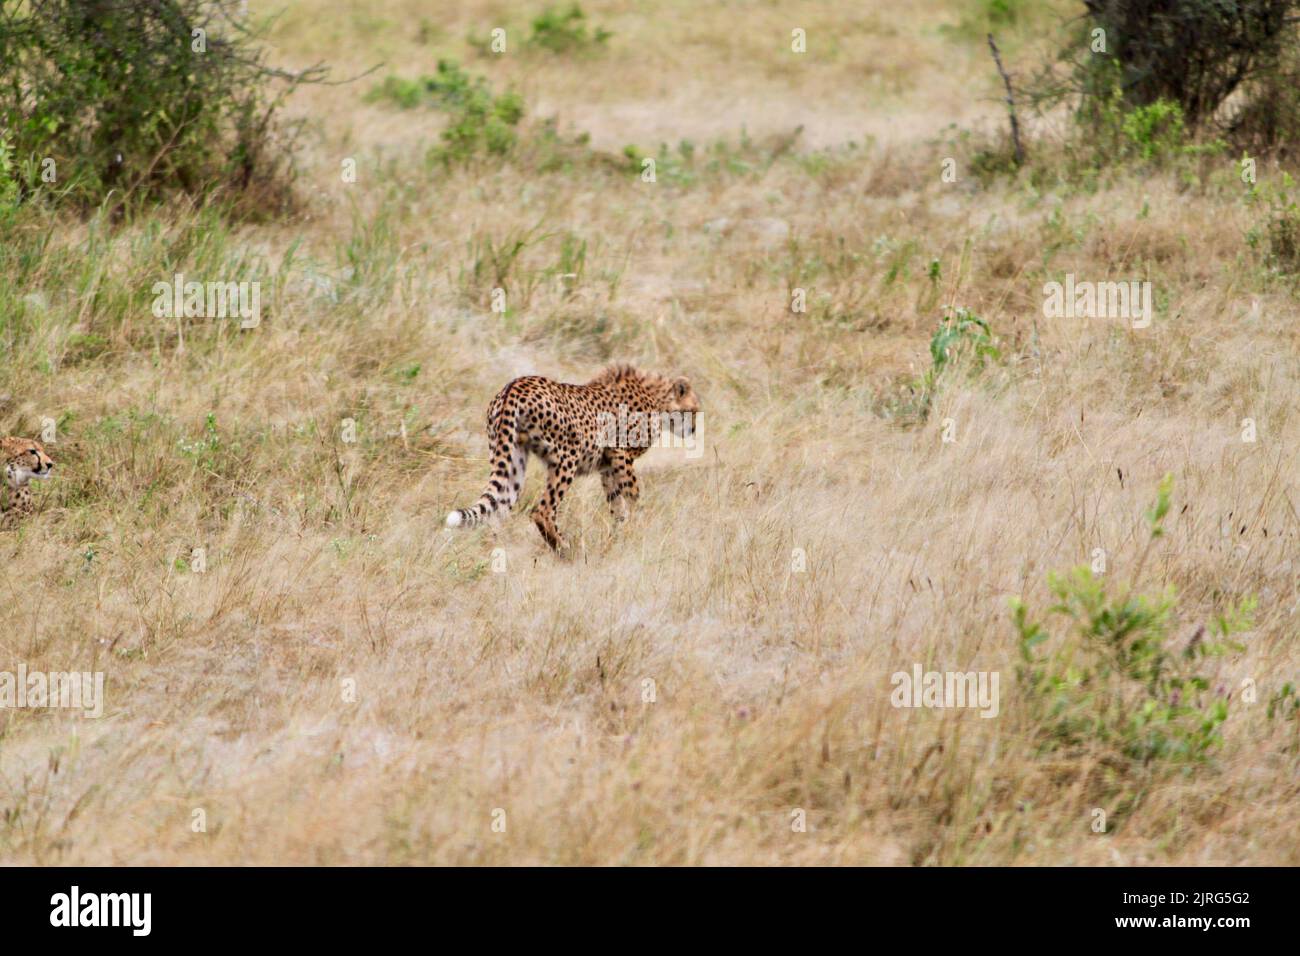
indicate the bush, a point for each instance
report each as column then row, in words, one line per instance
column 1193, row 53
column 1279, row 234
column 564, row 31
column 1268, row 119
column 136, row 98
column 479, row 122
column 1156, row 133
column 1184, row 70
column 1110, row 681
column 961, row 335
column 1110, row 129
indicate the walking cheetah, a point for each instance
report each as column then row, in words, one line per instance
column 24, row 460
column 602, row 426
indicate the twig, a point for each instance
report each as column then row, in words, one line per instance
column 1011, row 103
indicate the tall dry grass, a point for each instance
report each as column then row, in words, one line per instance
column 347, row 682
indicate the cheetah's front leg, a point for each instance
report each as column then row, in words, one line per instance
column 619, row 482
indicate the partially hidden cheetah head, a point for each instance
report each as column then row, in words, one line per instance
column 24, row 460
column 684, row 405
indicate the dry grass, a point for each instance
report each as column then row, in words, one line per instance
column 525, row 690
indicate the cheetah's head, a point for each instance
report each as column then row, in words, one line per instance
column 685, row 405
column 24, row 460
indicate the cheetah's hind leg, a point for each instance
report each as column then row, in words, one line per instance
column 558, row 478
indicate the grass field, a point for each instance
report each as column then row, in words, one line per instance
column 336, row 678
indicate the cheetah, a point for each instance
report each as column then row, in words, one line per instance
column 602, row 426
column 24, row 460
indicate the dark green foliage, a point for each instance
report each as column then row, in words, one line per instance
column 136, row 99
column 1193, row 53
column 1212, row 67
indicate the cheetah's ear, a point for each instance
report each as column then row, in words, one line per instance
column 681, row 387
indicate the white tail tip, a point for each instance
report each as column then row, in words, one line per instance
column 453, row 520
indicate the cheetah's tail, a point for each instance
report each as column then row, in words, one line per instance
column 508, row 463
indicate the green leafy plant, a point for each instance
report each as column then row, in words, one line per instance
column 479, row 121
column 565, row 30
column 1108, row 678
column 1194, row 54
column 961, row 335
column 676, row 166
column 8, row 187
column 142, row 99
column 203, row 450
column 961, row 339
column 1155, row 130
column 1279, row 233
column 1114, row 129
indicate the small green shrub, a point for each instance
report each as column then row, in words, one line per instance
column 479, row 122
column 203, row 450
column 550, row 150
column 1108, row 678
column 403, row 93
column 1278, row 235
column 675, row 166
column 961, row 334
column 962, row 338
column 1112, row 130
column 1156, row 130
column 565, row 31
